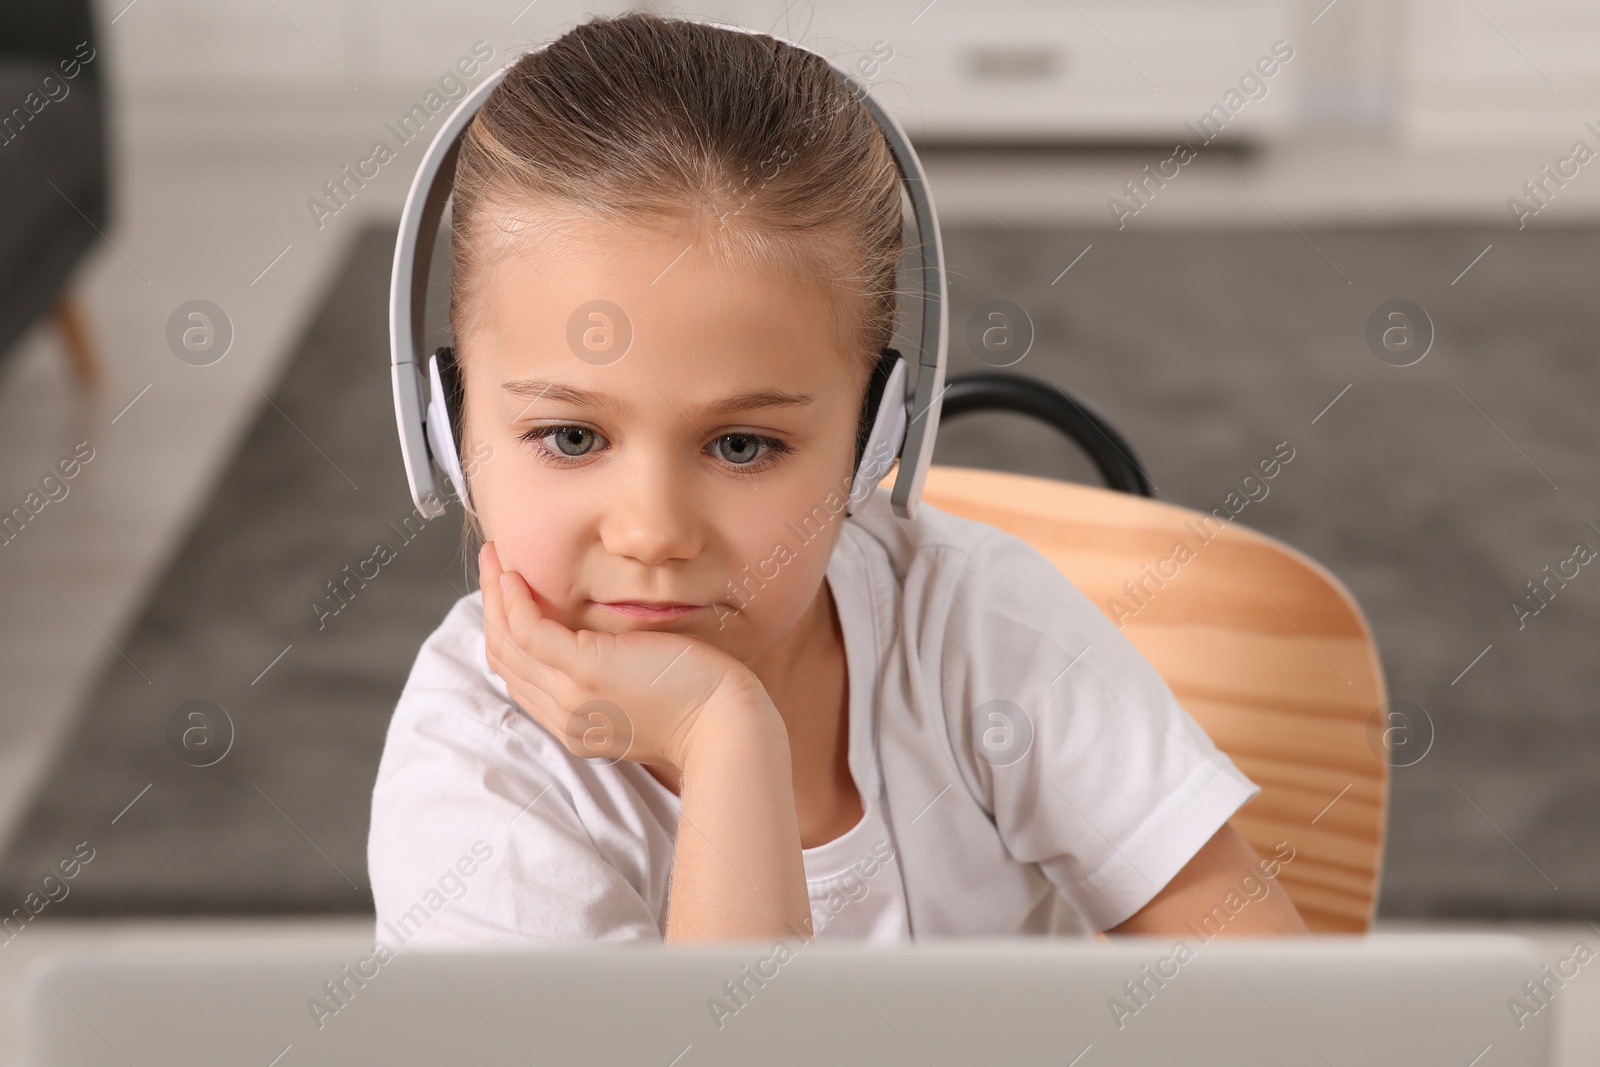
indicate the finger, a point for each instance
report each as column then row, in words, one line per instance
column 524, row 685
column 495, row 628
column 542, row 638
column 489, row 572
column 536, row 704
column 529, row 682
column 511, row 633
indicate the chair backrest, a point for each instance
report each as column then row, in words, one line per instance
column 1265, row 648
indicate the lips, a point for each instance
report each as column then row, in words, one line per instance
column 656, row 611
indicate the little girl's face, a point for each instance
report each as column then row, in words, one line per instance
column 679, row 443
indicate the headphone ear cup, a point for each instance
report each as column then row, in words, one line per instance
column 440, row 422
column 886, row 398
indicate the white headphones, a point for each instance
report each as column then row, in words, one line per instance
column 900, row 428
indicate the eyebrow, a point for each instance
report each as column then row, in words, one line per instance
column 531, row 389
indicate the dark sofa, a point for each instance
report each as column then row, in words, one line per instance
column 54, row 186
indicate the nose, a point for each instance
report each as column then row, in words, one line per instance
column 650, row 511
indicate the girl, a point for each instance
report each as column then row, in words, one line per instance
column 693, row 699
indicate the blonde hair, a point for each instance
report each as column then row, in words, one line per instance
column 642, row 120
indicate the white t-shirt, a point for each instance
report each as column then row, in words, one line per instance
column 1023, row 770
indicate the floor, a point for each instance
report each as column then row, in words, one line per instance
column 232, row 228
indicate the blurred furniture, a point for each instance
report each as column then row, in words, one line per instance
column 1264, row 647
column 54, row 181
column 1040, row 71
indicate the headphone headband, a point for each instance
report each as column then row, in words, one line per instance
column 419, row 226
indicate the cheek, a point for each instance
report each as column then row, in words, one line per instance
column 528, row 533
column 547, row 564
column 782, row 551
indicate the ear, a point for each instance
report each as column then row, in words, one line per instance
column 880, row 438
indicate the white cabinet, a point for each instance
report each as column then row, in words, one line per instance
column 1003, row 70
column 1035, row 69
column 1494, row 70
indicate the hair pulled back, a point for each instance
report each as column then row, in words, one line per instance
column 644, row 120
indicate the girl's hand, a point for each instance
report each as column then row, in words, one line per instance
column 636, row 696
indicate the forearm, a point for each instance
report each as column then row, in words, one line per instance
column 737, row 871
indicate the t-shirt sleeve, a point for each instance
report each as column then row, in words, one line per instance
column 1090, row 766
column 476, row 840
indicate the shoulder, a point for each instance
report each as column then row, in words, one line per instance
column 1067, row 736
column 573, row 845
column 935, row 547
column 451, row 692
column 933, row 529
column 460, row 745
column 453, row 653
column 992, row 626
column 454, row 718
column 973, row 578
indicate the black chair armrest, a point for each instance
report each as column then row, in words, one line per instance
column 1109, row 451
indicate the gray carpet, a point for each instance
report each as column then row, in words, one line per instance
column 279, row 824
column 1204, row 348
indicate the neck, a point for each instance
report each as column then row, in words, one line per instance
column 789, row 670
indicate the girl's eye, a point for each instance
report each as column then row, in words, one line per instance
column 742, row 448
column 575, row 440
column 570, row 441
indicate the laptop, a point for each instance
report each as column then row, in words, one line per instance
column 1386, row 1000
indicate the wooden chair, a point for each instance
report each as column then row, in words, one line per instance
column 1264, row 647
